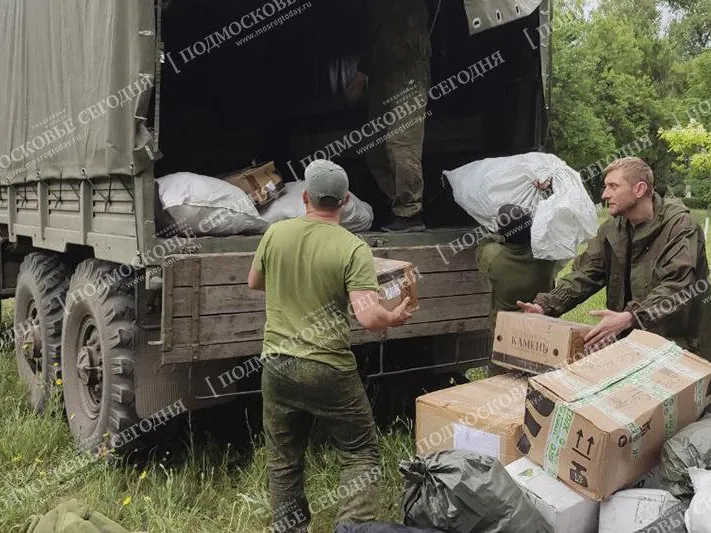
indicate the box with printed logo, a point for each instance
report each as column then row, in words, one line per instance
column 261, row 183
column 536, row 343
column 397, row 280
column 599, row 423
column 484, row 416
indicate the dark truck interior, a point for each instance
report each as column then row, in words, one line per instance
column 271, row 98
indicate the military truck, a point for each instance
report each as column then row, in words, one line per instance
column 99, row 98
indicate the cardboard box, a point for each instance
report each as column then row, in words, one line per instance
column 562, row 508
column 397, row 280
column 628, row 511
column 600, row 423
column 261, row 183
column 484, row 416
column 536, row 343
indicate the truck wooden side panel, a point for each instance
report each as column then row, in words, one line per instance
column 210, row 313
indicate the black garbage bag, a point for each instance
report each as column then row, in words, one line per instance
column 689, row 447
column 381, row 527
column 463, row 492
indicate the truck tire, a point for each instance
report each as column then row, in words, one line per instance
column 97, row 369
column 41, row 287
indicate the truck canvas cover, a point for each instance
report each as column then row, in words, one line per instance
column 76, row 79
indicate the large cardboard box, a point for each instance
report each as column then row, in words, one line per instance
column 562, row 508
column 397, row 280
column 484, row 416
column 536, row 343
column 600, row 423
column 261, row 183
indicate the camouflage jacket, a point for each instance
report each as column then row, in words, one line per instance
column 668, row 274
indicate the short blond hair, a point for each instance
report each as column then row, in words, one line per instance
column 634, row 170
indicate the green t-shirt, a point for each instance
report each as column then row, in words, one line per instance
column 309, row 267
column 514, row 274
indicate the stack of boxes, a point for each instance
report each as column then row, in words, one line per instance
column 587, row 426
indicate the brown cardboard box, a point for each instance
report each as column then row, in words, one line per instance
column 261, row 183
column 536, row 343
column 600, row 423
column 397, row 280
column 484, row 416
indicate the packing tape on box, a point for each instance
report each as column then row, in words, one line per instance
column 654, row 360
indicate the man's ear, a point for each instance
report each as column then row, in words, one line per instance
column 346, row 199
column 640, row 189
column 305, row 197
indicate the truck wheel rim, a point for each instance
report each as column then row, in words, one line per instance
column 32, row 339
column 90, row 366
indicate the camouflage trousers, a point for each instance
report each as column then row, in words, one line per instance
column 295, row 393
column 396, row 162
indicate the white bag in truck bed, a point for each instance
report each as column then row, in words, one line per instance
column 209, row 206
column 357, row 215
column 561, row 222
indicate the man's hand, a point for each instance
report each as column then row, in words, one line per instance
column 400, row 314
column 530, row 308
column 356, row 87
column 612, row 323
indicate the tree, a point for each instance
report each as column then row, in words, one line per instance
column 692, row 146
column 691, row 30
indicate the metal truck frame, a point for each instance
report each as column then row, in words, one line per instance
column 131, row 322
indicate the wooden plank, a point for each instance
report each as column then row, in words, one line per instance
column 225, row 299
column 232, row 350
column 430, row 258
column 232, row 268
column 240, row 327
column 219, row 299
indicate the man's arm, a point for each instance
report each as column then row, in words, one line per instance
column 255, row 278
column 676, row 269
column 587, row 277
column 373, row 316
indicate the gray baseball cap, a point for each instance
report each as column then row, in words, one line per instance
column 325, row 179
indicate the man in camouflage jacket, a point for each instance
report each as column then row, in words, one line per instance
column 651, row 258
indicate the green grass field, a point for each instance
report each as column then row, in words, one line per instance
column 214, row 489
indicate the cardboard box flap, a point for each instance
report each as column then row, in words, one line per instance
column 490, row 400
column 611, row 365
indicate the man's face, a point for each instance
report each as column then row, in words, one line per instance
column 619, row 194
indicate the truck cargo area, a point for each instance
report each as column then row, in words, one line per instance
column 270, row 98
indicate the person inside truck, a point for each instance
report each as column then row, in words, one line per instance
column 650, row 255
column 396, row 67
column 311, row 267
column 506, row 259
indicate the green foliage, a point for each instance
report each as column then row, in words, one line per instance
column 619, row 78
column 695, row 203
column 692, row 146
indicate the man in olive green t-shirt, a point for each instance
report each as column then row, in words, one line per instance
column 311, row 268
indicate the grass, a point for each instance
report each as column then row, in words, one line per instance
column 212, row 488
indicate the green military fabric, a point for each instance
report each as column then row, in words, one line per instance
column 513, row 272
column 309, row 267
column 397, row 61
column 667, row 259
column 295, row 392
column 72, row 517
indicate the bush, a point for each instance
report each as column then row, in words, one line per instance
column 695, row 203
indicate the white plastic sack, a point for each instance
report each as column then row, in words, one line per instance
column 627, row 511
column 698, row 515
column 561, row 222
column 357, row 215
column 209, row 206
